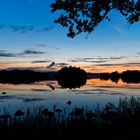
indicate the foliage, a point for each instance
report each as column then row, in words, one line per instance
column 84, row 15
column 129, row 76
column 71, row 77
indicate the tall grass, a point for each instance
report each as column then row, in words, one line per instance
column 121, row 121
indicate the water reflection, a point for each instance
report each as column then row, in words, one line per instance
column 95, row 91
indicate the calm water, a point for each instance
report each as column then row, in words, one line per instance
column 49, row 93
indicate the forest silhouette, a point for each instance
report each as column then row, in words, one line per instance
column 129, row 76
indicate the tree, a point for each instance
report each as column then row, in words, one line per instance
column 71, row 77
column 84, row 15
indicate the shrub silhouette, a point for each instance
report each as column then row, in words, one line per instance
column 71, row 77
column 115, row 76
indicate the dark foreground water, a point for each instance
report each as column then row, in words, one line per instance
column 49, row 94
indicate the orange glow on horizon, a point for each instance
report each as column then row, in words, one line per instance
column 87, row 67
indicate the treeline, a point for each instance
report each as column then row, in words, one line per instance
column 129, row 76
column 22, row 76
column 67, row 77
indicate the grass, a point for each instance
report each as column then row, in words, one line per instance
column 117, row 122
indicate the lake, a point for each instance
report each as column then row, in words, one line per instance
column 49, row 94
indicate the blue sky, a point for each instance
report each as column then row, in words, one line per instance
column 29, row 38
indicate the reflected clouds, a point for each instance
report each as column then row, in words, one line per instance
column 95, row 91
column 24, row 99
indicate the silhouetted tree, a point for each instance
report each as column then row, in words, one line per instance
column 84, row 15
column 115, row 76
column 131, row 76
column 71, row 77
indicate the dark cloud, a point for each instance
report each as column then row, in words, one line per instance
column 53, row 47
column 87, row 60
column 106, row 65
column 47, row 45
column 96, row 60
column 110, row 58
column 99, row 61
column 51, row 65
column 131, row 64
column 41, row 61
column 81, row 59
column 138, row 53
column 46, row 29
column 31, row 52
column 22, row 29
column 26, row 52
column 6, row 54
column 124, row 64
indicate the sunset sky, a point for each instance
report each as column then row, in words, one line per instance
column 29, row 39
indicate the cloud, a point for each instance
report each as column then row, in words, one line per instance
column 21, row 29
column 124, row 64
column 53, row 47
column 25, row 52
column 46, row 29
column 111, row 58
column 31, row 52
column 51, row 65
column 138, row 53
column 47, row 45
column 41, row 61
column 81, row 59
column 101, row 61
column 5, row 54
column 96, row 60
column 106, row 65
